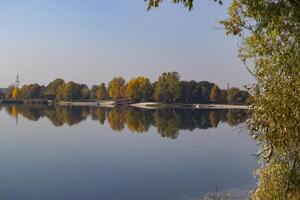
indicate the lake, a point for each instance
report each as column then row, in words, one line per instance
column 124, row 153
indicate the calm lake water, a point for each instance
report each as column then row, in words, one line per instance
column 109, row 153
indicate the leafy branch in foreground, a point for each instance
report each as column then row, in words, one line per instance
column 186, row 3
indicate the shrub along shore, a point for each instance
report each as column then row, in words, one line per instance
column 167, row 90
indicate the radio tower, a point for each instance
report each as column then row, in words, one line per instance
column 17, row 81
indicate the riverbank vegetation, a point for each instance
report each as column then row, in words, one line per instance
column 269, row 34
column 167, row 89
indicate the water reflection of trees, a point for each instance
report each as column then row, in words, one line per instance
column 279, row 175
column 65, row 115
column 168, row 122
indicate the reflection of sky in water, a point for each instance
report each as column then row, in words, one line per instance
column 90, row 161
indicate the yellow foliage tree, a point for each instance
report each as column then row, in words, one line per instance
column 116, row 88
column 215, row 94
column 15, row 93
column 139, row 89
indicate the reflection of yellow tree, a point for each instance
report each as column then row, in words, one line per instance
column 67, row 115
column 30, row 112
column 214, row 118
column 167, row 121
column 72, row 115
column 14, row 111
column 138, row 121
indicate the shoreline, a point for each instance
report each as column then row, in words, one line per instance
column 155, row 105
column 144, row 105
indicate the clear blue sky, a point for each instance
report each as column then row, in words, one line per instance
column 91, row 41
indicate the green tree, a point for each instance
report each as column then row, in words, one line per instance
column 101, row 92
column 167, row 123
column 215, row 94
column 116, row 88
column 85, row 92
column 94, row 91
column 168, row 88
column 190, row 92
column 237, row 96
column 205, row 90
column 233, row 95
column 99, row 114
column 224, row 95
column 139, row 89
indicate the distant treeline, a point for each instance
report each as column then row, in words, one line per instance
column 167, row 89
column 168, row 122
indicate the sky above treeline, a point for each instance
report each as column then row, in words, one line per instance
column 93, row 41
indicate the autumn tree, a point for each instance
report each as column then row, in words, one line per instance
column 52, row 89
column 116, row 88
column 215, row 94
column 139, row 89
column 32, row 91
column 168, row 88
column 69, row 91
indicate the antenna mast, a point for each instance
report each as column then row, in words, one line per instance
column 17, row 81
